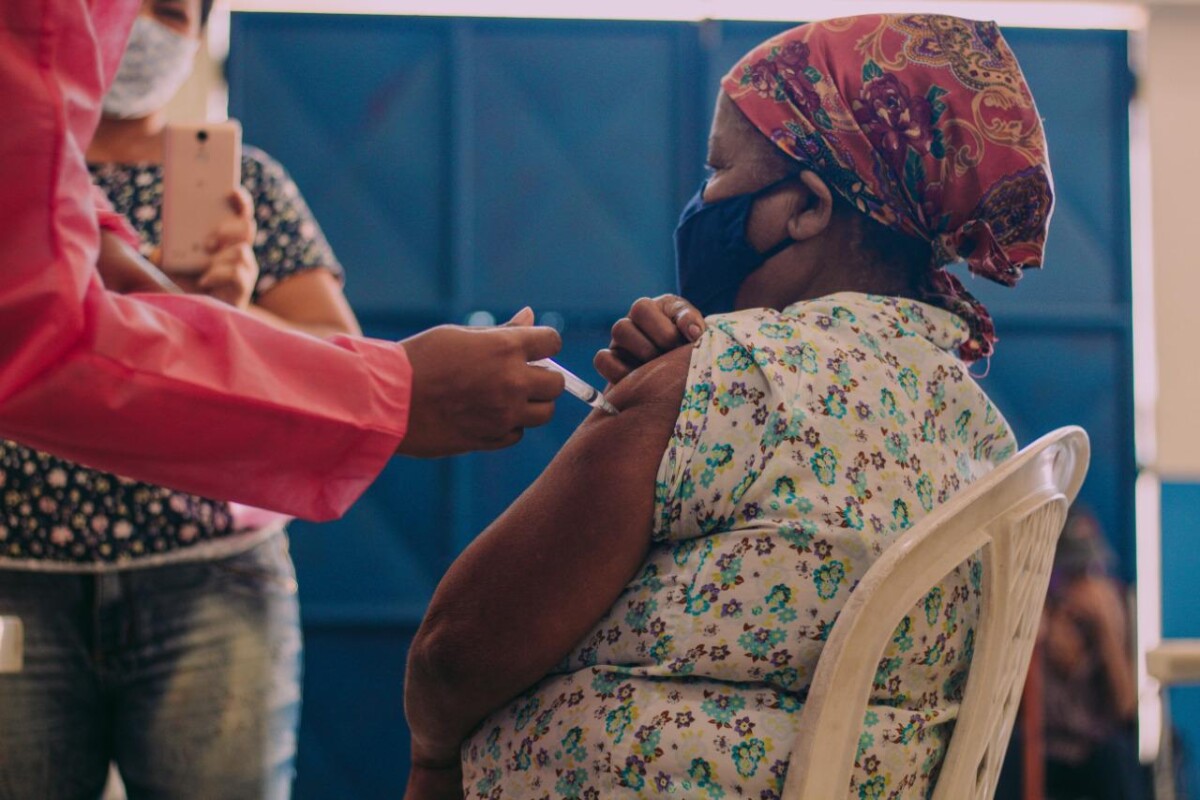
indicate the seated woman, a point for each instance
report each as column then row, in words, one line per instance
column 646, row 618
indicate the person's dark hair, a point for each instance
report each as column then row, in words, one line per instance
column 205, row 9
column 1082, row 548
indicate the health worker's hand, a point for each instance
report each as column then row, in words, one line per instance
column 232, row 271
column 654, row 326
column 473, row 388
column 123, row 270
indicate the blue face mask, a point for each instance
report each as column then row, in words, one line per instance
column 712, row 256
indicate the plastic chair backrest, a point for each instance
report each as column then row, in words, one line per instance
column 1012, row 517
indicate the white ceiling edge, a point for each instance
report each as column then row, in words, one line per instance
column 1088, row 14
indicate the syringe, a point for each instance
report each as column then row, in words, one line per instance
column 578, row 386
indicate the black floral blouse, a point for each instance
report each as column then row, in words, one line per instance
column 57, row 512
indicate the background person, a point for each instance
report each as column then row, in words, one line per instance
column 1089, row 691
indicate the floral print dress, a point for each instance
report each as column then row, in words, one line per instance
column 808, row 440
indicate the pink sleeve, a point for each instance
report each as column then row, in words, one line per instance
column 175, row 390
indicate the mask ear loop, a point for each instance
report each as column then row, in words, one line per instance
column 787, row 241
column 778, row 248
column 987, row 368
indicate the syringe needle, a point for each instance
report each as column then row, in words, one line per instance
column 578, row 386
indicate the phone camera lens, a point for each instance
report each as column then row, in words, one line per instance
column 202, row 136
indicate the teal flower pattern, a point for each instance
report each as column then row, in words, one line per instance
column 807, row 441
column 824, row 465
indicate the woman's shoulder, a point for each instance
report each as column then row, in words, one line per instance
column 658, row 383
column 803, row 318
column 261, row 168
column 259, row 159
column 793, row 339
column 844, row 320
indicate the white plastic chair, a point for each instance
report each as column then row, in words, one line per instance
column 1013, row 517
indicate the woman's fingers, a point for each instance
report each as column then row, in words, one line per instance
column 241, row 204
column 667, row 320
column 652, row 322
column 687, row 318
column 544, row 384
column 238, row 228
column 231, row 275
column 633, row 342
column 655, row 325
column 228, row 264
column 522, row 319
column 612, row 366
column 538, row 413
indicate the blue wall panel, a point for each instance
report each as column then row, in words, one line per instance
column 1028, row 384
column 353, row 743
column 358, row 112
column 460, row 165
column 1087, row 257
column 381, row 562
column 1181, row 603
column 568, row 163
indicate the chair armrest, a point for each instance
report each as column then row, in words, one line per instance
column 1175, row 661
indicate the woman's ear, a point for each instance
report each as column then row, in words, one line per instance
column 814, row 213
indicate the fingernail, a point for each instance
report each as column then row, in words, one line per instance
column 693, row 331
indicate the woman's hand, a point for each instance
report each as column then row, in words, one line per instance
column 474, row 389
column 434, row 783
column 1096, row 603
column 654, row 326
column 233, row 270
column 123, row 270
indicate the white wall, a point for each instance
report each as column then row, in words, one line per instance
column 204, row 96
column 1171, row 87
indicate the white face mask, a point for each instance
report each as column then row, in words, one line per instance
column 157, row 61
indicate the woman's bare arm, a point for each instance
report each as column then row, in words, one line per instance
column 311, row 301
column 531, row 586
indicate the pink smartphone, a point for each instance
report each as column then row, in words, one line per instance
column 202, row 165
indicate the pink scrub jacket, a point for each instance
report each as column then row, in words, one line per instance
column 171, row 389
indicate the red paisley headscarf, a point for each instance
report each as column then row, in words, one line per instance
column 925, row 123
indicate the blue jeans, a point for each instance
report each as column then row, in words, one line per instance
column 187, row 676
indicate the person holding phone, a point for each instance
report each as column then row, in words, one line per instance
column 163, row 626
